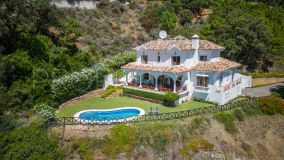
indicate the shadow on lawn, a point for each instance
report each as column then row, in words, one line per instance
column 278, row 90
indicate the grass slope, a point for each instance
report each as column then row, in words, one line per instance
column 116, row 102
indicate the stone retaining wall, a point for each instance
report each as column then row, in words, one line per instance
column 91, row 94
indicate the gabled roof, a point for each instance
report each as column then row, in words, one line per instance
column 146, row 67
column 220, row 65
column 179, row 42
column 216, row 66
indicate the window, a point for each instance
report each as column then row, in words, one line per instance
column 202, row 81
column 175, row 60
column 203, row 58
column 144, row 59
column 146, row 76
column 159, row 59
column 221, row 79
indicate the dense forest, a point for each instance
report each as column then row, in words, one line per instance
column 40, row 44
column 252, row 32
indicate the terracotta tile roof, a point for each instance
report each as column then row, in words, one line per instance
column 216, row 66
column 146, row 67
column 204, row 44
column 178, row 42
column 220, row 65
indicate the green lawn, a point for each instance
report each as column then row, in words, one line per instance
column 116, row 102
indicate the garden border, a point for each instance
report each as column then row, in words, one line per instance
column 160, row 117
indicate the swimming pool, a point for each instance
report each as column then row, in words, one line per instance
column 109, row 115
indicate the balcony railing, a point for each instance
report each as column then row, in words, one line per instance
column 160, row 88
column 230, row 85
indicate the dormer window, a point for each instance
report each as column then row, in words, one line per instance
column 175, row 60
column 203, row 58
column 144, row 59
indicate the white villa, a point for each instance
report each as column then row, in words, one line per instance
column 192, row 68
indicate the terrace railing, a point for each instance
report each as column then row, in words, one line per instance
column 151, row 118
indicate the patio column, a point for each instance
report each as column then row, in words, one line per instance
column 175, row 86
column 126, row 76
column 156, row 83
column 140, row 81
column 175, row 82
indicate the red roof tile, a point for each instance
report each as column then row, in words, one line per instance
column 216, row 66
column 178, row 42
column 220, row 65
column 146, row 67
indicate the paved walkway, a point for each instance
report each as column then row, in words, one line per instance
column 262, row 91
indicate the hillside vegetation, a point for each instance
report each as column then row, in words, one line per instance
column 49, row 55
column 249, row 132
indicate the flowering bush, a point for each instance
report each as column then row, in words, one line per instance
column 43, row 109
column 119, row 60
column 78, row 83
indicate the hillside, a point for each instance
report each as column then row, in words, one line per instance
column 49, row 55
column 257, row 137
column 110, row 29
column 114, row 27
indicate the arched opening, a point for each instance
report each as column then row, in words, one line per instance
column 165, row 83
column 180, row 84
column 148, row 81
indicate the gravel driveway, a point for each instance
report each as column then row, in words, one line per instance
column 262, row 91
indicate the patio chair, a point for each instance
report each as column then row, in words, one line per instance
column 150, row 111
column 157, row 111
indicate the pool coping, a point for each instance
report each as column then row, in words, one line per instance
column 77, row 115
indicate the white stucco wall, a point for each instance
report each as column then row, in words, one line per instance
column 187, row 57
column 191, row 58
column 166, row 57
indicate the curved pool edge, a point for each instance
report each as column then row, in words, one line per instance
column 77, row 116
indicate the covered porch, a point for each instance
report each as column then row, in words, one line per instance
column 156, row 81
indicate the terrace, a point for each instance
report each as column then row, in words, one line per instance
column 117, row 102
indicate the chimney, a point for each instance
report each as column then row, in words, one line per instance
column 195, row 41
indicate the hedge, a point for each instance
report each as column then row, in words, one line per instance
column 145, row 94
column 79, row 83
column 267, row 75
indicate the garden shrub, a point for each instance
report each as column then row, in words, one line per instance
column 228, row 120
column 155, row 135
column 44, row 110
column 271, row 105
column 146, row 94
column 84, row 148
column 31, row 142
column 204, row 101
column 78, row 83
column 251, row 108
column 121, row 139
column 119, row 60
column 168, row 20
column 160, row 139
column 110, row 90
column 171, row 98
column 195, row 145
column 247, row 148
column 267, row 74
column 238, row 113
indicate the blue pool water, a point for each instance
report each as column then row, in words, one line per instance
column 109, row 115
